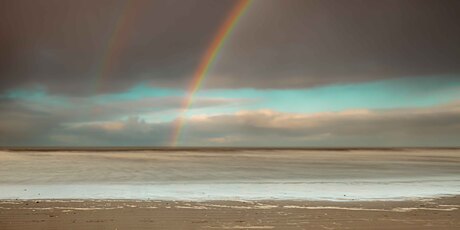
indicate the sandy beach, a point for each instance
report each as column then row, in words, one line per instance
column 441, row 213
column 230, row 189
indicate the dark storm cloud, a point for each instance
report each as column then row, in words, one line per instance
column 61, row 45
column 308, row 43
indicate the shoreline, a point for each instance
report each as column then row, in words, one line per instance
column 429, row 213
column 218, row 149
column 201, row 200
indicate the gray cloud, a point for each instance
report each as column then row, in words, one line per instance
column 291, row 44
column 62, row 45
column 82, row 120
column 130, row 132
column 20, row 125
column 434, row 126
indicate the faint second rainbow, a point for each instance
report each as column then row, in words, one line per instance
column 206, row 63
column 115, row 43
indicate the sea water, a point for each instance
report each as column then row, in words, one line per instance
column 230, row 174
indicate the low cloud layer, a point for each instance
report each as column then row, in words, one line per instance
column 436, row 126
column 58, row 121
column 433, row 126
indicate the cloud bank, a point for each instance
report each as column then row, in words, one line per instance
column 432, row 126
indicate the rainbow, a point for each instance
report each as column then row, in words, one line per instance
column 115, row 43
column 206, row 63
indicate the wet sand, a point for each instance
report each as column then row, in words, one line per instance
column 443, row 213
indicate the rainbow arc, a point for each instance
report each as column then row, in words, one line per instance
column 207, row 61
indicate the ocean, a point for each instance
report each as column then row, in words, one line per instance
column 230, row 174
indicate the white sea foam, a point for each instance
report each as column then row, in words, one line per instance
column 230, row 191
column 398, row 209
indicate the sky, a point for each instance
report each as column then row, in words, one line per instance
column 288, row 74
